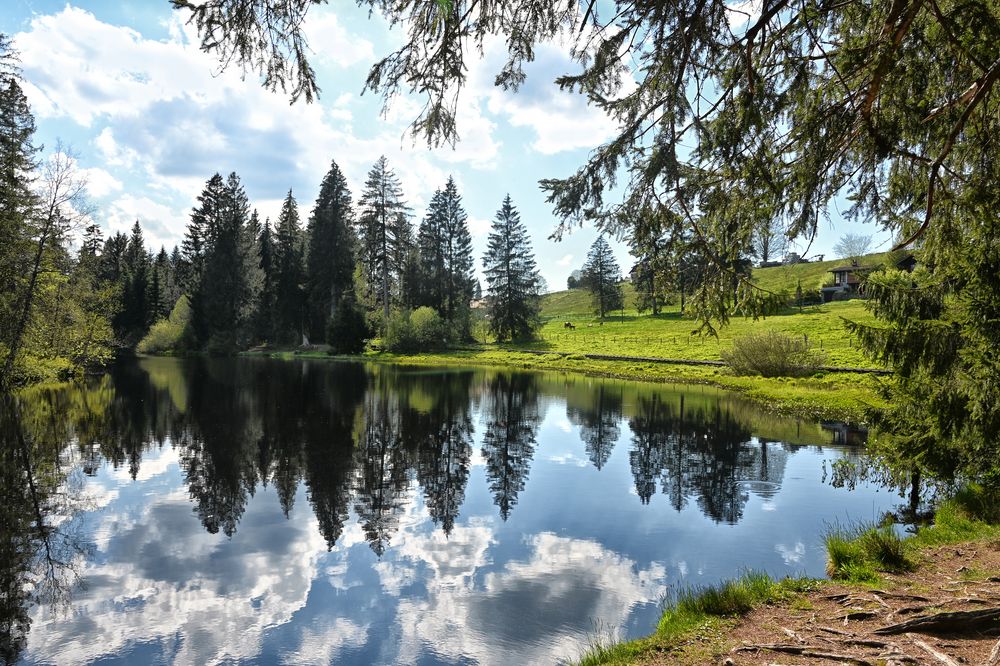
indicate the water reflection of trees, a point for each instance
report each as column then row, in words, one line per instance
column 700, row 452
column 512, row 419
column 368, row 440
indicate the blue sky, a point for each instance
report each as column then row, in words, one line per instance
column 152, row 118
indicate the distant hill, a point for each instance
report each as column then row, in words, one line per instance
column 576, row 302
column 779, row 278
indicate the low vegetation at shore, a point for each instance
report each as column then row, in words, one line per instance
column 944, row 580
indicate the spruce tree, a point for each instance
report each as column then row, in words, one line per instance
column 602, row 277
column 648, row 243
column 264, row 316
column 330, row 265
column 446, row 261
column 134, row 319
column 512, row 278
column 385, row 236
column 253, row 278
column 200, row 229
column 289, row 273
column 217, row 304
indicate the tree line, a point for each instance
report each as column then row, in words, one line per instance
column 351, row 272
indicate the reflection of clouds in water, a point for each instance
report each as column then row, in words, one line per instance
column 155, row 461
column 793, row 554
column 568, row 459
column 320, row 644
column 216, row 598
column 527, row 612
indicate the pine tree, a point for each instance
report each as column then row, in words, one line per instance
column 446, row 261
column 253, row 278
column 648, row 244
column 289, row 273
column 264, row 317
column 330, row 265
column 134, row 319
column 158, row 295
column 217, row 304
column 602, row 277
column 198, row 235
column 384, row 236
column 513, row 282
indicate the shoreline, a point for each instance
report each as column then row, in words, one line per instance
column 841, row 396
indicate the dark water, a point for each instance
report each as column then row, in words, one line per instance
column 257, row 511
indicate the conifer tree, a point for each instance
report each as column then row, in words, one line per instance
column 253, row 277
column 217, row 304
column 513, row 282
column 158, row 295
column 198, row 235
column 264, row 317
column 602, row 277
column 289, row 273
column 135, row 314
column 446, row 261
column 330, row 265
column 384, row 236
column 648, row 243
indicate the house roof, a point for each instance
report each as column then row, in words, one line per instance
column 854, row 269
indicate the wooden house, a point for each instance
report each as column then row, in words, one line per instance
column 846, row 281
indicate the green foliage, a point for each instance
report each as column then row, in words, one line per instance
column 420, row 330
column 331, row 250
column 602, row 278
column 348, row 329
column 772, row 354
column 514, row 283
column 168, row 334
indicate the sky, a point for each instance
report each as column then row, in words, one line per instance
column 151, row 118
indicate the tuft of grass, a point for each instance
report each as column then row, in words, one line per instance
column 858, row 554
column 701, row 610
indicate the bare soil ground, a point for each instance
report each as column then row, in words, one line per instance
column 951, row 603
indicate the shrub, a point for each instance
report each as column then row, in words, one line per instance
column 420, row 330
column 772, row 354
column 167, row 334
column 347, row 330
column 429, row 329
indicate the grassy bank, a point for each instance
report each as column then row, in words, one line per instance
column 841, row 396
column 705, row 623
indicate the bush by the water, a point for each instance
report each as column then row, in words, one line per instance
column 167, row 334
column 348, row 330
column 772, row 354
column 420, row 330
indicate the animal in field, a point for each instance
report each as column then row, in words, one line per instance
column 568, row 324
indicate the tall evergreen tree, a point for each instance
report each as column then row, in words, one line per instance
column 513, row 282
column 253, row 278
column 648, row 243
column 289, row 273
column 330, row 265
column 446, row 261
column 159, row 286
column 134, row 319
column 264, row 317
column 217, row 304
column 384, row 236
column 602, row 277
column 198, row 235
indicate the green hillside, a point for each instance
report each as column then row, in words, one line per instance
column 668, row 335
column 786, row 278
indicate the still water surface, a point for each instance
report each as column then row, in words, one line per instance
column 259, row 511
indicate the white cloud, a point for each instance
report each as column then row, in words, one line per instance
column 100, row 183
column 565, row 261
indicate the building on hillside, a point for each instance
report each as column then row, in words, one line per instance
column 846, row 281
column 907, row 263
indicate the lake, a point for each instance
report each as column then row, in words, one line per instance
column 199, row 511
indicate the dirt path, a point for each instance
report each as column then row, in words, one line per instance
column 839, row 624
